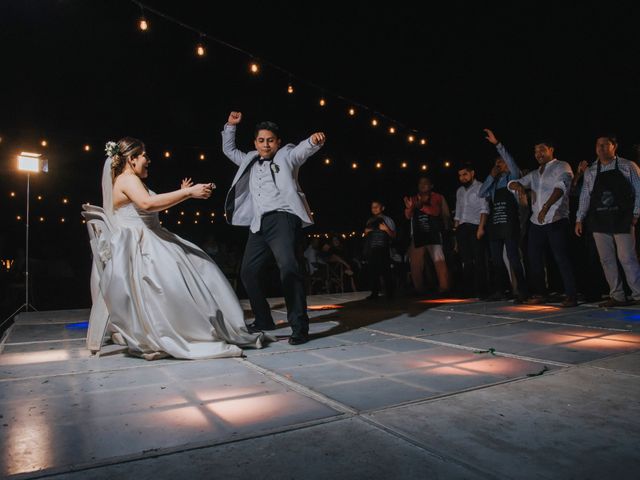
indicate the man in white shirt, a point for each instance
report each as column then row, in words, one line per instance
column 469, row 223
column 549, row 223
column 265, row 195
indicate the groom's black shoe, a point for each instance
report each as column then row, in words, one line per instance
column 298, row 340
column 253, row 328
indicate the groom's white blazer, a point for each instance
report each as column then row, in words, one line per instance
column 239, row 206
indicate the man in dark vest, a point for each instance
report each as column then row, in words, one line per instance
column 610, row 203
column 379, row 231
column 504, row 221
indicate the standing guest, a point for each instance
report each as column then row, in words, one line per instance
column 610, row 202
column 379, row 231
column 549, row 223
column 429, row 215
column 504, row 221
column 265, row 196
column 470, row 220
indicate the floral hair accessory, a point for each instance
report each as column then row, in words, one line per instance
column 112, row 149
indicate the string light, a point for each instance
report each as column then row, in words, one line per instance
column 354, row 165
column 179, row 222
column 200, row 50
column 403, row 165
column 143, row 24
column 374, row 122
column 182, row 213
column 18, row 217
column 195, row 221
column 254, row 68
column 167, row 154
column 65, row 200
column 202, row 157
column 378, row 164
column 352, row 111
column 62, row 220
column 166, row 211
column 423, row 167
column 327, row 161
column 447, row 164
column 423, row 141
column 322, row 102
column 213, row 214
column 39, row 197
column 392, row 130
column 44, row 143
column 411, row 138
column 12, row 194
column 290, row 88
column 42, row 219
column 87, row 148
column 197, row 214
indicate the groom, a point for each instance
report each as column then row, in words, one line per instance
column 266, row 196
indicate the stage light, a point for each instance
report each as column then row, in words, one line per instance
column 254, row 68
column 392, row 130
column 352, row 111
column 32, row 162
column 323, row 102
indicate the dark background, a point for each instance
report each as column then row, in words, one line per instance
column 80, row 72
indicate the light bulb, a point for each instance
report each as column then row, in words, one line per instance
column 423, row 141
column 374, row 122
column 254, row 68
column 44, row 143
column 167, row 154
column 423, row 167
column 392, row 130
column 290, row 89
column 327, row 161
column 354, row 165
column 411, row 138
column 352, row 111
column 143, row 25
column 378, row 164
column 403, row 164
column 200, row 51
column 323, row 102
column 87, row 148
column 202, row 157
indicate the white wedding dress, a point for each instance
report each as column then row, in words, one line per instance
column 165, row 296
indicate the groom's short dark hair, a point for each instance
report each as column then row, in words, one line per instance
column 271, row 126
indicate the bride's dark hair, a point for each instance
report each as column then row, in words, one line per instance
column 127, row 147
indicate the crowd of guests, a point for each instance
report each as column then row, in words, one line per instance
column 521, row 235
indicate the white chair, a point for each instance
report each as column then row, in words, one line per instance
column 100, row 231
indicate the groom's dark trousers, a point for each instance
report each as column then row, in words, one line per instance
column 279, row 233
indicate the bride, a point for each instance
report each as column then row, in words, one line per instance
column 164, row 295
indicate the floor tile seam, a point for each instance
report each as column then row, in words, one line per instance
column 434, row 453
column 167, row 451
column 564, row 324
column 471, row 348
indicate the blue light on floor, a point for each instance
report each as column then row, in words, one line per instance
column 77, row 326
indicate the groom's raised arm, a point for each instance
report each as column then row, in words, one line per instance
column 306, row 148
column 229, row 139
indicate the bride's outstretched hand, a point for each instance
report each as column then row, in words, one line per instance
column 186, row 183
column 201, row 190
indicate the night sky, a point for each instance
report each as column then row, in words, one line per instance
column 77, row 72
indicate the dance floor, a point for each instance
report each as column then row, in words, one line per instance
column 404, row 389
